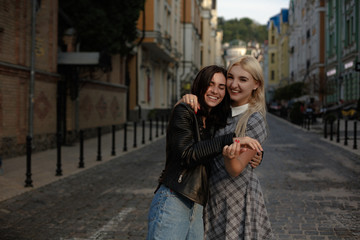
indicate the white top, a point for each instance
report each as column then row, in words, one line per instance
column 239, row 109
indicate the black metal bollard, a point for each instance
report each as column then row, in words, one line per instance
column 150, row 133
column 58, row 164
column 331, row 130
column 81, row 158
column 346, row 133
column 113, row 128
column 134, row 145
column 309, row 122
column 28, row 181
column 338, row 131
column 125, row 137
column 355, row 135
column 157, row 127
column 143, row 132
column 162, row 125
column 99, row 144
column 325, row 128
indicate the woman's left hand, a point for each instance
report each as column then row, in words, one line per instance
column 250, row 142
column 235, row 149
column 256, row 160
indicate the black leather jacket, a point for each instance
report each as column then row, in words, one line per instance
column 186, row 156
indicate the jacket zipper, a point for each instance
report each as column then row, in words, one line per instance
column 181, row 176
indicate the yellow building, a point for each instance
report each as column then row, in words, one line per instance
column 278, row 54
column 153, row 65
column 210, row 36
column 168, row 54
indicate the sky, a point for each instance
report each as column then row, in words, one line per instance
column 259, row 10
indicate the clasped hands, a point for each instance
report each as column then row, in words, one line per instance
column 241, row 145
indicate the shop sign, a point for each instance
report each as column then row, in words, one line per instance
column 331, row 72
column 348, row 65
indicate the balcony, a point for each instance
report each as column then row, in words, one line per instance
column 159, row 45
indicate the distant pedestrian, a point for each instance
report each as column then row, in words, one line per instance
column 176, row 211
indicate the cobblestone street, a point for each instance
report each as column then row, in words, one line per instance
column 312, row 191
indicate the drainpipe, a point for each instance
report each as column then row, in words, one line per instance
column 137, row 62
column 28, row 181
column 32, row 69
column 184, row 60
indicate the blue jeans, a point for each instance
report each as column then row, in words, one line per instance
column 174, row 217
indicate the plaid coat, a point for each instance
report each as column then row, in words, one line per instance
column 236, row 208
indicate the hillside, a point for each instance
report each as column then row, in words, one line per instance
column 244, row 29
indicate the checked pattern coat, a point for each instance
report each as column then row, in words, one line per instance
column 236, row 208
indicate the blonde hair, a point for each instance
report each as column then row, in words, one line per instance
column 257, row 100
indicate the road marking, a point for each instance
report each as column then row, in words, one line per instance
column 110, row 226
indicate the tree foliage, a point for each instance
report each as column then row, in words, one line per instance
column 101, row 25
column 244, row 29
column 290, row 91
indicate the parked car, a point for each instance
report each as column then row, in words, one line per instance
column 275, row 108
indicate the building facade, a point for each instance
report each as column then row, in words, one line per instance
column 307, row 48
column 15, row 71
column 76, row 90
column 342, row 52
column 154, row 65
column 210, row 36
column 191, row 32
column 278, row 53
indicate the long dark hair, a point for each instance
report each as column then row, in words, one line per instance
column 218, row 115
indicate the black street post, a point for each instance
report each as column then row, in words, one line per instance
column 346, row 133
column 134, row 135
column 143, row 132
column 355, row 135
column 113, row 153
column 157, row 127
column 338, row 131
column 58, row 164
column 150, row 133
column 331, row 130
column 28, row 181
column 99, row 144
column 81, row 158
column 125, row 137
column 162, row 125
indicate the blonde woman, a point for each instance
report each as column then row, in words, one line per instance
column 236, row 207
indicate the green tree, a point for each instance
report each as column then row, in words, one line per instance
column 244, row 29
column 101, row 25
column 290, row 91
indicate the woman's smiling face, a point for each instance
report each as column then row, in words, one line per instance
column 240, row 85
column 216, row 91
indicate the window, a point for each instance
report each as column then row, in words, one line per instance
column 273, row 75
column 273, row 58
column 273, row 39
column 331, row 43
column 347, row 33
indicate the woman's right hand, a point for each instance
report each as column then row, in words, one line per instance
column 191, row 100
column 250, row 143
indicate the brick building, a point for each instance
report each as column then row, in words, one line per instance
column 70, row 94
column 15, row 58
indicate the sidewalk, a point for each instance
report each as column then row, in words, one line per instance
column 318, row 128
column 43, row 166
